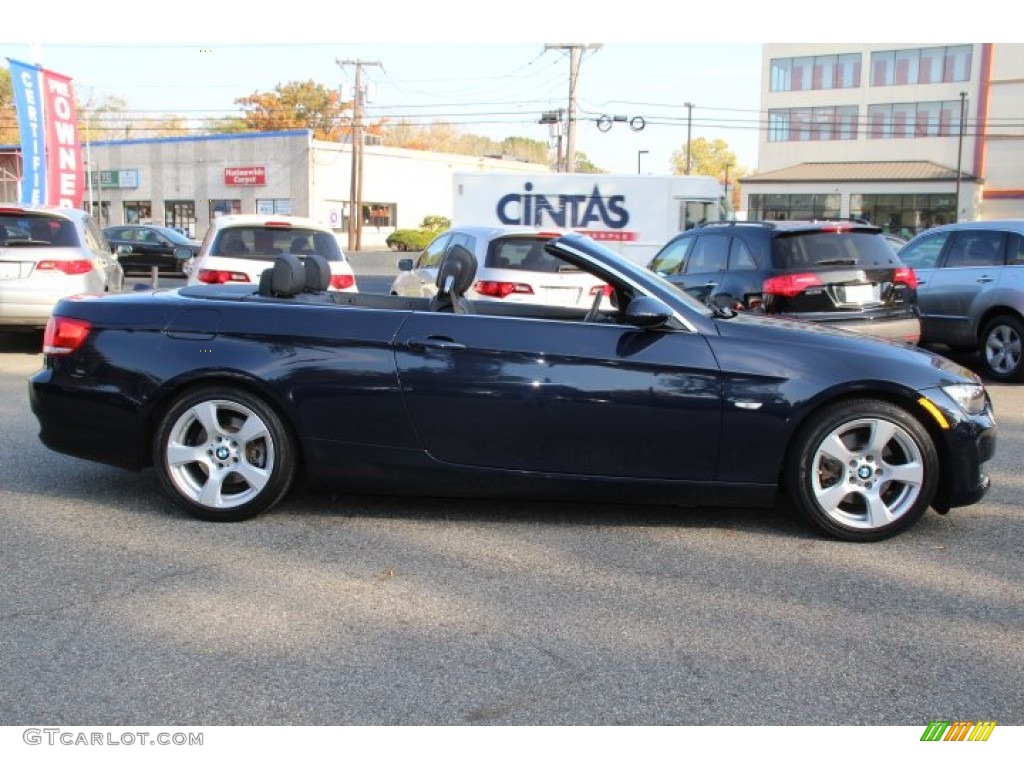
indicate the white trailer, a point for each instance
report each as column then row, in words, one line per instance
column 634, row 215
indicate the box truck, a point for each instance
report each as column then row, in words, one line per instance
column 634, row 215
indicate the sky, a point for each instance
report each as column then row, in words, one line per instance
column 484, row 66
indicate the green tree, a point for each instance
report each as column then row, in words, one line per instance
column 530, row 150
column 712, row 158
column 707, row 158
column 584, row 165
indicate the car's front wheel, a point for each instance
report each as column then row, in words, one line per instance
column 223, row 454
column 1002, row 358
column 863, row 470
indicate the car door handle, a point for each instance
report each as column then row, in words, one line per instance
column 985, row 279
column 710, row 284
column 436, row 342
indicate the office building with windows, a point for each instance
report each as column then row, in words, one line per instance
column 907, row 136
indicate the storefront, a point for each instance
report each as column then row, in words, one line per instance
column 902, row 198
column 187, row 182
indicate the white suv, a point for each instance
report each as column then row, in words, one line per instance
column 47, row 253
column 513, row 267
column 237, row 248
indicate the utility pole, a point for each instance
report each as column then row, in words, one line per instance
column 959, row 156
column 575, row 54
column 355, row 205
column 689, row 126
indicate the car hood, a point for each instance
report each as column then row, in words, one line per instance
column 837, row 350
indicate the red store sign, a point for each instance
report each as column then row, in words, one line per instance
column 247, row 176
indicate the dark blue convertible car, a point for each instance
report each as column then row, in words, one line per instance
column 232, row 393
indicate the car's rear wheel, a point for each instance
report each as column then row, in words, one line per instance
column 1002, row 357
column 863, row 470
column 223, row 454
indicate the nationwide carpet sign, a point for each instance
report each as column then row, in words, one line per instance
column 51, row 156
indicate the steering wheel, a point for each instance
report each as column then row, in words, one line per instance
column 595, row 309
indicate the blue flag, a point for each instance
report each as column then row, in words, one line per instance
column 28, row 102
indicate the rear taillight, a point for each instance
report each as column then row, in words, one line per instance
column 341, row 282
column 791, row 285
column 73, row 267
column 217, row 276
column 905, row 275
column 64, row 335
column 500, row 289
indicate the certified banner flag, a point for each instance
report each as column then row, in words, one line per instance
column 26, row 83
column 64, row 172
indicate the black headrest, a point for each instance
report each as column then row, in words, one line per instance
column 287, row 277
column 457, row 271
column 318, row 273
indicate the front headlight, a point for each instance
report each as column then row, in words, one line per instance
column 970, row 397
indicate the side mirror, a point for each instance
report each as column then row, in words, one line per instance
column 123, row 250
column 647, row 312
column 405, row 265
column 182, row 253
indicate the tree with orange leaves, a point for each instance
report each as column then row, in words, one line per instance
column 298, row 105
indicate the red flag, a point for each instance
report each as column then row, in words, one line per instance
column 65, row 176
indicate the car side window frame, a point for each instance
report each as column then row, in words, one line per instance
column 712, row 242
column 926, row 240
column 1015, row 250
column 437, row 248
column 737, row 244
column 678, row 250
column 964, row 248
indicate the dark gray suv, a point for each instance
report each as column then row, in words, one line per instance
column 839, row 273
column 971, row 290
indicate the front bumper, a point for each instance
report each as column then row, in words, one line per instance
column 967, row 443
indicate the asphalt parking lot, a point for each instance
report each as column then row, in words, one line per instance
column 345, row 610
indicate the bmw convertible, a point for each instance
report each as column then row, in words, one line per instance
column 235, row 393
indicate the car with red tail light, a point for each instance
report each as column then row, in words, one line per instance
column 47, row 253
column 840, row 273
column 514, row 268
column 238, row 248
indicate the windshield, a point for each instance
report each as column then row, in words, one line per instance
column 37, row 231
column 659, row 286
column 802, row 250
column 258, row 242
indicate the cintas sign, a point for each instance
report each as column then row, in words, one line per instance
column 51, row 157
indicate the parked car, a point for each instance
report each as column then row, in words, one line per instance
column 971, row 291
column 231, row 392
column 140, row 247
column 840, row 273
column 514, row 267
column 238, row 248
column 47, row 253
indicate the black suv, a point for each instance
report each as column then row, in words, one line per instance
column 842, row 273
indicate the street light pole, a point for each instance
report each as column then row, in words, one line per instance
column 727, row 184
column 689, row 126
column 640, row 153
column 959, row 156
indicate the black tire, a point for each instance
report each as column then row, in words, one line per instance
column 223, row 455
column 1000, row 347
column 862, row 470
